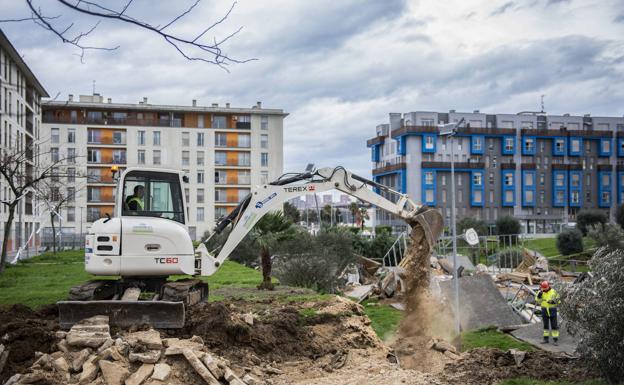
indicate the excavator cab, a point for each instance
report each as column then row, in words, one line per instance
column 152, row 194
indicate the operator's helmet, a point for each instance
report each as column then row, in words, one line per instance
column 545, row 285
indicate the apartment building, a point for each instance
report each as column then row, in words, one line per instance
column 20, row 122
column 224, row 151
column 539, row 168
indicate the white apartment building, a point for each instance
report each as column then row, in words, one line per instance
column 224, row 151
column 20, row 121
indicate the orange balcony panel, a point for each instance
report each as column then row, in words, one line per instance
column 232, row 158
column 232, row 195
column 190, row 119
column 232, row 177
column 231, row 139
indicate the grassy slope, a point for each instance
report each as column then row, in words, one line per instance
column 384, row 318
column 490, row 337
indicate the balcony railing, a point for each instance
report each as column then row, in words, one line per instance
column 106, row 141
column 239, row 164
column 100, row 199
column 116, row 160
column 129, row 121
column 243, row 125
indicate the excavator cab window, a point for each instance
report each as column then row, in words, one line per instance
column 153, row 194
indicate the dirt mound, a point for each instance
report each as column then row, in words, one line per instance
column 278, row 332
column 490, row 366
column 24, row 332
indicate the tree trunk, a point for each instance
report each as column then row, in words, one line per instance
column 53, row 233
column 265, row 262
column 7, row 234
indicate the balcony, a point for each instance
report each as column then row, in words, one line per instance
column 375, row 141
column 394, row 164
column 414, row 130
column 108, row 160
column 458, row 165
column 243, row 125
column 100, row 199
column 106, row 141
column 128, row 121
column 94, row 178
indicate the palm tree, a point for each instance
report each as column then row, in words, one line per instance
column 272, row 229
column 353, row 208
column 363, row 215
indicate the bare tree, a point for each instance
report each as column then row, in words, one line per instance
column 57, row 196
column 208, row 50
column 23, row 168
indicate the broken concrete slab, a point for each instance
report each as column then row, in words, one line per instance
column 199, row 368
column 149, row 338
column 89, row 373
column 462, row 261
column 113, row 373
column 481, row 304
column 359, row 293
column 161, row 372
column 138, row 377
column 533, row 334
column 79, row 359
column 148, row 357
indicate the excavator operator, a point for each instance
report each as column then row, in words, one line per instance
column 135, row 201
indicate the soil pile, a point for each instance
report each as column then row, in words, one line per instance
column 24, row 332
column 490, row 366
column 274, row 332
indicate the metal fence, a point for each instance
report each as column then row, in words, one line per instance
column 64, row 241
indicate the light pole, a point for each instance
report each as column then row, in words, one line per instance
column 450, row 130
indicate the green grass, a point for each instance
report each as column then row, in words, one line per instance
column 546, row 246
column 528, row 381
column 47, row 278
column 384, row 318
column 491, row 338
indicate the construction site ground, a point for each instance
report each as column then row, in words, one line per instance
column 287, row 336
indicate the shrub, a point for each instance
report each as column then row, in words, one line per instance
column 588, row 217
column 508, row 228
column 383, row 229
column 592, row 308
column 469, row 222
column 609, row 235
column 314, row 261
column 570, row 241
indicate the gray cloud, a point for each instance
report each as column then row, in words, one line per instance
column 339, row 68
column 619, row 18
column 502, row 9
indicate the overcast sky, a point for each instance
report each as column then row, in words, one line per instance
column 339, row 67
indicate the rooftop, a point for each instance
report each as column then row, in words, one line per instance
column 6, row 43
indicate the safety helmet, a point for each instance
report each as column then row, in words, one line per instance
column 545, row 285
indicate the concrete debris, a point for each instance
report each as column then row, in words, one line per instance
column 161, row 372
column 4, row 355
column 248, row 318
column 518, row 355
column 93, row 357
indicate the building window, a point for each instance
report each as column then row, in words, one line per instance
column 220, row 195
column 574, row 197
column 200, row 214
column 200, row 121
column 606, row 180
column 559, row 146
column 528, row 196
column 220, row 140
column 55, row 136
column 200, row 158
column 71, row 135
column 605, row 146
column 200, row 139
column 264, row 159
column 509, row 179
column 141, row 156
column 243, row 121
column 491, row 196
column 429, row 142
column 156, row 137
column 185, row 139
column 264, row 122
column 71, row 155
column 141, row 138
column 542, row 196
column 218, row 121
column 459, row 180
column 200, row 177
column 264, row 141
column 220, row 177
column 119, row 157
column 509, row 144
column 71, row 175
column 559, row 180
column 71, row 194
column 156, row 157
column 185, row 158
column 509, row 196
column 477, row 179
column 54, row 153
column 478, row 197
column 606, row 197
column 477, row 144
column 575, row 146
column 528, row 179
column 443, row 178
column 93, row 194
column 117, row 137
column 428, row 177
column 529, row 145
column 559, row 196
column 575, row 180
column 244, row 140
column 264, row 177
column 220, row 158
column 200, row 194
column 244, row 159
column 71, row 214
column 542, row 179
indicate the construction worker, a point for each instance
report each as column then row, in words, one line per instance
column 548, row 299
column 135, row 201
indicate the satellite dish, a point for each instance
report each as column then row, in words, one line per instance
column 471, row 237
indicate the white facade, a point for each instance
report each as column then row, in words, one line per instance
column 178, row 139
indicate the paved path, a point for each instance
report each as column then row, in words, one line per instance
column 533, row 334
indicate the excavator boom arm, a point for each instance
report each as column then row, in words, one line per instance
column 270, row 197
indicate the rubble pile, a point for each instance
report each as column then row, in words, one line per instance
column 89, row 355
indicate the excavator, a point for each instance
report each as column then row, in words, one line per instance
column 146, row 241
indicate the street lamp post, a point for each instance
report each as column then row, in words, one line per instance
column 450, row 130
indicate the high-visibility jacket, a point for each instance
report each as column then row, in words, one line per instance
column 547, row 299
column 138, row 201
